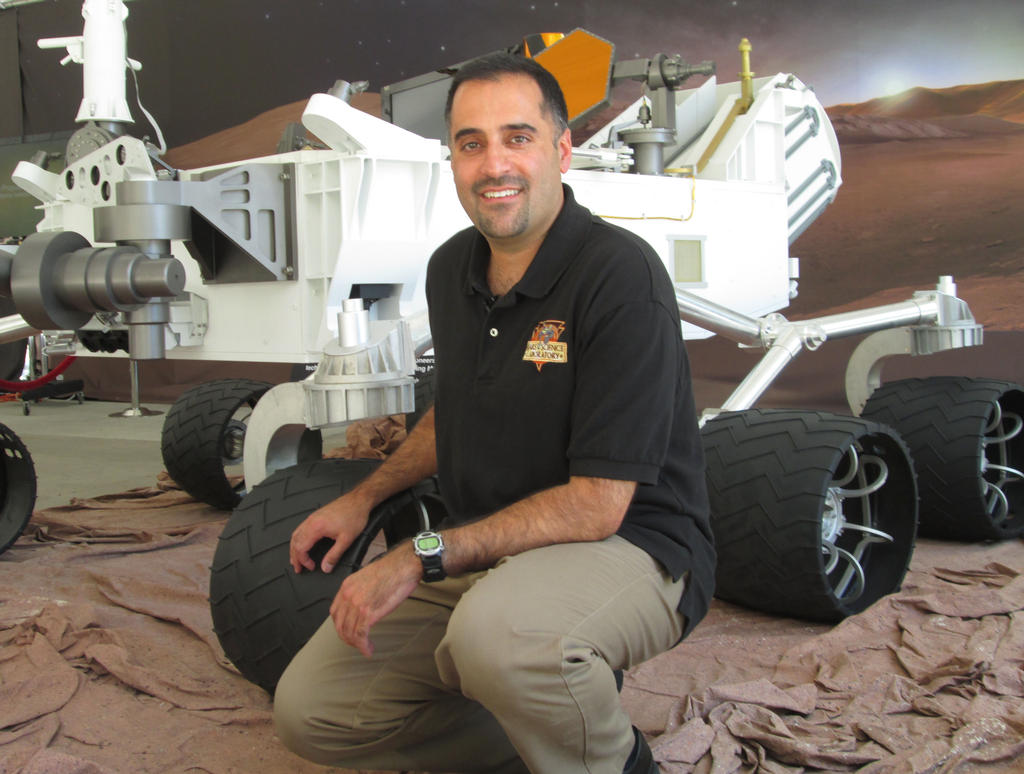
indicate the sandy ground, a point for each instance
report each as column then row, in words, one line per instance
column 108, row 664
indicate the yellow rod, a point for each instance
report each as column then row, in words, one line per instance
column 746, row 77
column 705, row 157
column 740, row 106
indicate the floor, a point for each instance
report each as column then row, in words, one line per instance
column 80, row 450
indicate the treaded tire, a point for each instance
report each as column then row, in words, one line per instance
column 943, row 420
column 195, row 435
column 263, row 612
column 17, row 487
column 772, row 481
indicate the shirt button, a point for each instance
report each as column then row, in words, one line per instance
column 494, row 333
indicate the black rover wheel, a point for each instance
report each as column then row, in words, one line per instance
column 203, row 435
column 965, row 436
column 814, row 514
column 263, row 613
column 17, row 487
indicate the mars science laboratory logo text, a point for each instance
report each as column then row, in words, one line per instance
column 544, row 346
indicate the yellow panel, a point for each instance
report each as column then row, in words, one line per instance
column 582, row 63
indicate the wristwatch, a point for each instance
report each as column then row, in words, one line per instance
column 429, row 547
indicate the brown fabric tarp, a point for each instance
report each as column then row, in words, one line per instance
column 108, row 662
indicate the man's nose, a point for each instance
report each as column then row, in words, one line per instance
column 496, row 161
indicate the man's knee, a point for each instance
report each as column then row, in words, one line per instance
column 317, row 719
column 307, row 727
column 489, row 656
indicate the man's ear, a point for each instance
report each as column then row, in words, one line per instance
column 565, row 150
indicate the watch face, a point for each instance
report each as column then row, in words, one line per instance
column 428, row 543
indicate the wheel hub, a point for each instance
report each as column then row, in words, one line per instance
column 234, row 442
column 832, row 517
column 845, row 564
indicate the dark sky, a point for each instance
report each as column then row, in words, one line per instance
column 851, row 50
column 209, row 64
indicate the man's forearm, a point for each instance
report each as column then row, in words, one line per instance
column 414, row 460
column 585, row 509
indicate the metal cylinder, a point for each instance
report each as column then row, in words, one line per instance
column 648, row 144
column 155, row 277
column 718, row 319
column 126, row 222
column 115, row 278
column 14, row 328
column 353, row 323
column 154, row 248
column 58, row 281
column 146, row 331
column 914, row 312
column 156, row 312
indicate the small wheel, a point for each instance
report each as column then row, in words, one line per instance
column 263, row 613
column 17, row 487
column 203, row 436
column 965, row 435
column 814, row 514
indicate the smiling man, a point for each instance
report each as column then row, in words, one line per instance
column 565, row 441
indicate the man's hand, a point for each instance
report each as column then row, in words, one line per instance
column 368, row 595
column 343, row 519
column 340, row 520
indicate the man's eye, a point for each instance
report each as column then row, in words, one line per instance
column 520, row 139
column 472, row 145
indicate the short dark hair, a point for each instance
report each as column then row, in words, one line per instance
column 491, row 67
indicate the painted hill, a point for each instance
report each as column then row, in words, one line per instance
column 259, row 136
column 999, row 99
column 919, row 113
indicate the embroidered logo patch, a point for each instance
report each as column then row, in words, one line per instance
column 544, row 346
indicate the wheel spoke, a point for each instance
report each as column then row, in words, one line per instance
column 998, row 507
column 854, row 572
column 996, row 471
column 842, row 504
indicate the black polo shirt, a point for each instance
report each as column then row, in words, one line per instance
column 580, row 369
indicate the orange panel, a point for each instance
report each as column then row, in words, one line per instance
column 582, row 63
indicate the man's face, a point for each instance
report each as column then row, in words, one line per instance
column 508, row 159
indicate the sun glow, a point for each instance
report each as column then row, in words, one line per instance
column 888, row 84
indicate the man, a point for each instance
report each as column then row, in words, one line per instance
column 566, row 446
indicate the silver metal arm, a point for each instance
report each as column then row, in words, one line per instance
column 716, row 318
column 937, row 320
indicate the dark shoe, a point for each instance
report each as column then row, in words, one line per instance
column 640, row 760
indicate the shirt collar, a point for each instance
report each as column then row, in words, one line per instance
column 556, row 252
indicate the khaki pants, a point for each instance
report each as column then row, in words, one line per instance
column 508, row 670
